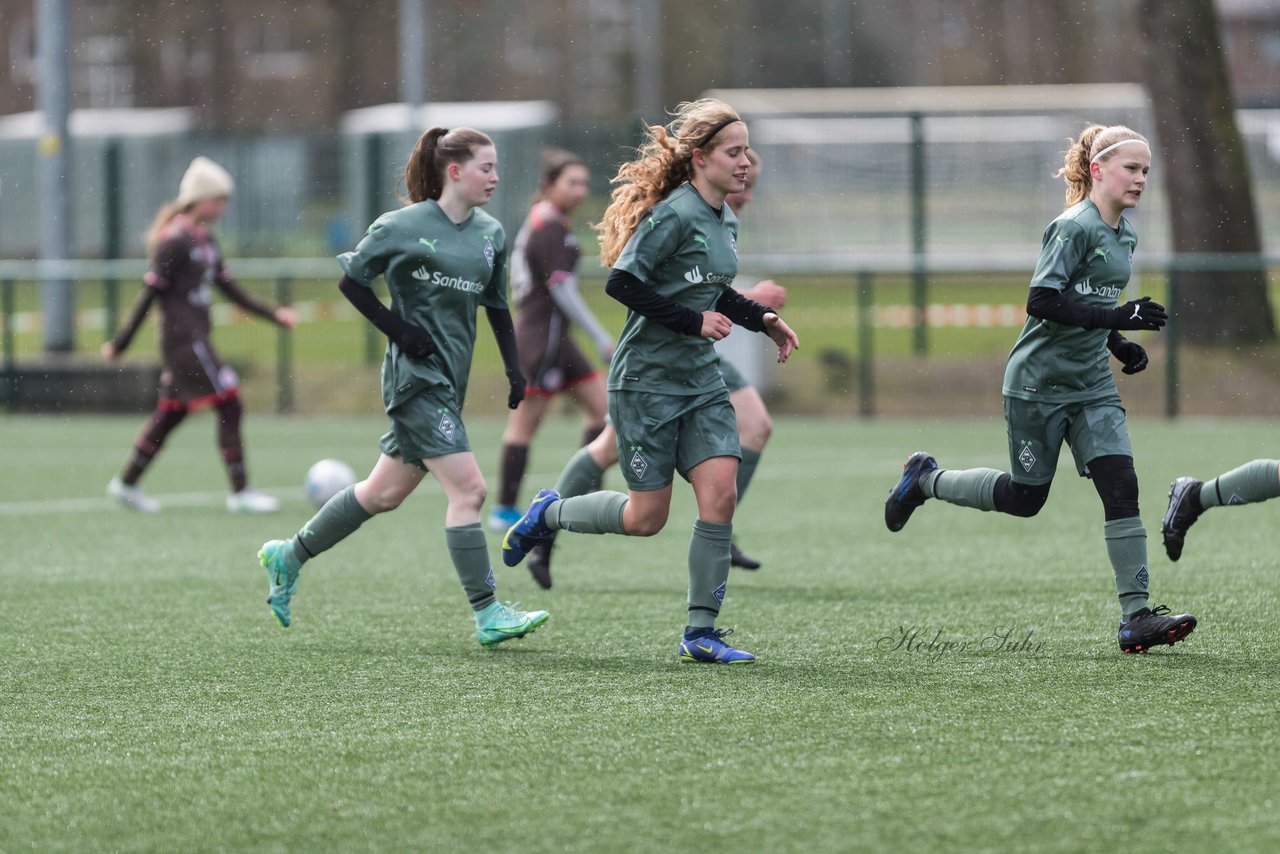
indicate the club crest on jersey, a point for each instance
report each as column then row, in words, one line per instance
column 733, row 243
column 638, row 464
column 489, row 253
column 447, row 426
column 718, row 593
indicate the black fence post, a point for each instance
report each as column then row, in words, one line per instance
column 284, row 350
column 1172, row 333
column 919, row 226
column 10, row 363
column 866, row 346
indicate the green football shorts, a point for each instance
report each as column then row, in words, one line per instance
column 1037, row 430
column 424, row 427
column 660, row 434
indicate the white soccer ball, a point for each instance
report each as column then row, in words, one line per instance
column 326, row 479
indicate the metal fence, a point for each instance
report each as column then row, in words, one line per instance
column 858, row 330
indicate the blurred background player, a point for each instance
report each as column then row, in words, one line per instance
column 186, row 265
column 544, row 284
column 1188, row 498
column 672, row 243
column 584, row 470
column 442, row 259
column 1058, row 385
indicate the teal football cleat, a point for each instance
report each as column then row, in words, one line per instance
column 530, row 530
column 282, row 580
column 503, row 517
column 499, row 622
column 708, row 647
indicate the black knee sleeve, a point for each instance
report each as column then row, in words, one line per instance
column 229, row 412
column 1020, row 499
column 1117, row 485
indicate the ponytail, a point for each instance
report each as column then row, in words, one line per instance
column 432, row 154
column 164, row 216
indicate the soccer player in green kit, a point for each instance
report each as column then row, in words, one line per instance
column 1250, row 483
column 442, row 259
column 672, row 243
column 1058, row 386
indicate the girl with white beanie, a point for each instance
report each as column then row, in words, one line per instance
column 186, row 265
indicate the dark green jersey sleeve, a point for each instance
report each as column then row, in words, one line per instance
column 372, row 254
column 1064, row 247
column 654, row 241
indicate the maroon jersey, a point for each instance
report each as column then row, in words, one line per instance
column 185, row 268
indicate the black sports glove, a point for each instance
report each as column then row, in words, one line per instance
column 414, row 341
column 1140, row 314
column 515, row 393
column 1128, row 352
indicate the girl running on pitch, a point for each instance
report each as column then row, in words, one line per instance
column 186, row 265
column 442, row 259
column 672, row 243
column 585, row 468
column 1058, row 386
column 545, row 287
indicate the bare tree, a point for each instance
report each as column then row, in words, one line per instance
column 1205, row 171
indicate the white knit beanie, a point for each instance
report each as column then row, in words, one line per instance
column 204, row 179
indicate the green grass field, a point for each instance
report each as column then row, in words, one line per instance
column 149, row 701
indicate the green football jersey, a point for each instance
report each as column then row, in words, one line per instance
column 688, row 252
column 439, row 273
column 1088, row 261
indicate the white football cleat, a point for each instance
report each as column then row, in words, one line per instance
column 250, row 500
column 132, row 497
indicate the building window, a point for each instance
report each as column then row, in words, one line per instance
column 269, row 51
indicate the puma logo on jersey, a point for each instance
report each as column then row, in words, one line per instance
column 1102, row 253
column 694, row 276
column 430, row 244
column 653, row 223
column 699, row 238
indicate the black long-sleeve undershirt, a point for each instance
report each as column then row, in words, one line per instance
column 1054, row 306
column 646, row 302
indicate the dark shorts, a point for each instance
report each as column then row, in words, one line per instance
column 660, row 434
column 550, row 359
column 194, row 374
column 1037, row 430
column 424, row 427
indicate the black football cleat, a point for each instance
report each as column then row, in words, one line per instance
column 740, row 559
column 540, row 563
column 1184, row 510
column 1150, row 627
column 907, row 495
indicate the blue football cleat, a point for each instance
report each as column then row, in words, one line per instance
column 530, row 530
column 907, row 495
column 708, row 647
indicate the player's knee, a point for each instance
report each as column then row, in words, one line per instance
column 644, row 522
column 1020, row 499
column 755, row 431
column 1117, row 483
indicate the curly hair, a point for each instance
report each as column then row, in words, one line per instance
column 1075, row 168
column 662, row 163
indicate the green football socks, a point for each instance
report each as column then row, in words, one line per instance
column 1255, row 481
column 594, row 513
column 1127, row 549
column 965, row 487
column 747, row 470
column 338, row 519
column 580, row 475
column 708, row 571
column 470, row 555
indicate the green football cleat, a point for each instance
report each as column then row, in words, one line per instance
column 499, row 622
column 282, row 581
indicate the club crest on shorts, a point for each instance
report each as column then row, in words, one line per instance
column 447, row 426
column 638, row 463
column 1027, row 458
column 718, row 593
column 1142, row 577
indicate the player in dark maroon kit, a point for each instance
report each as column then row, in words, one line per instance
column 544, row 283
column 186, row 265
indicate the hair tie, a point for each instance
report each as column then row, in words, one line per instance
column 1094, row 159
column 724, row 124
